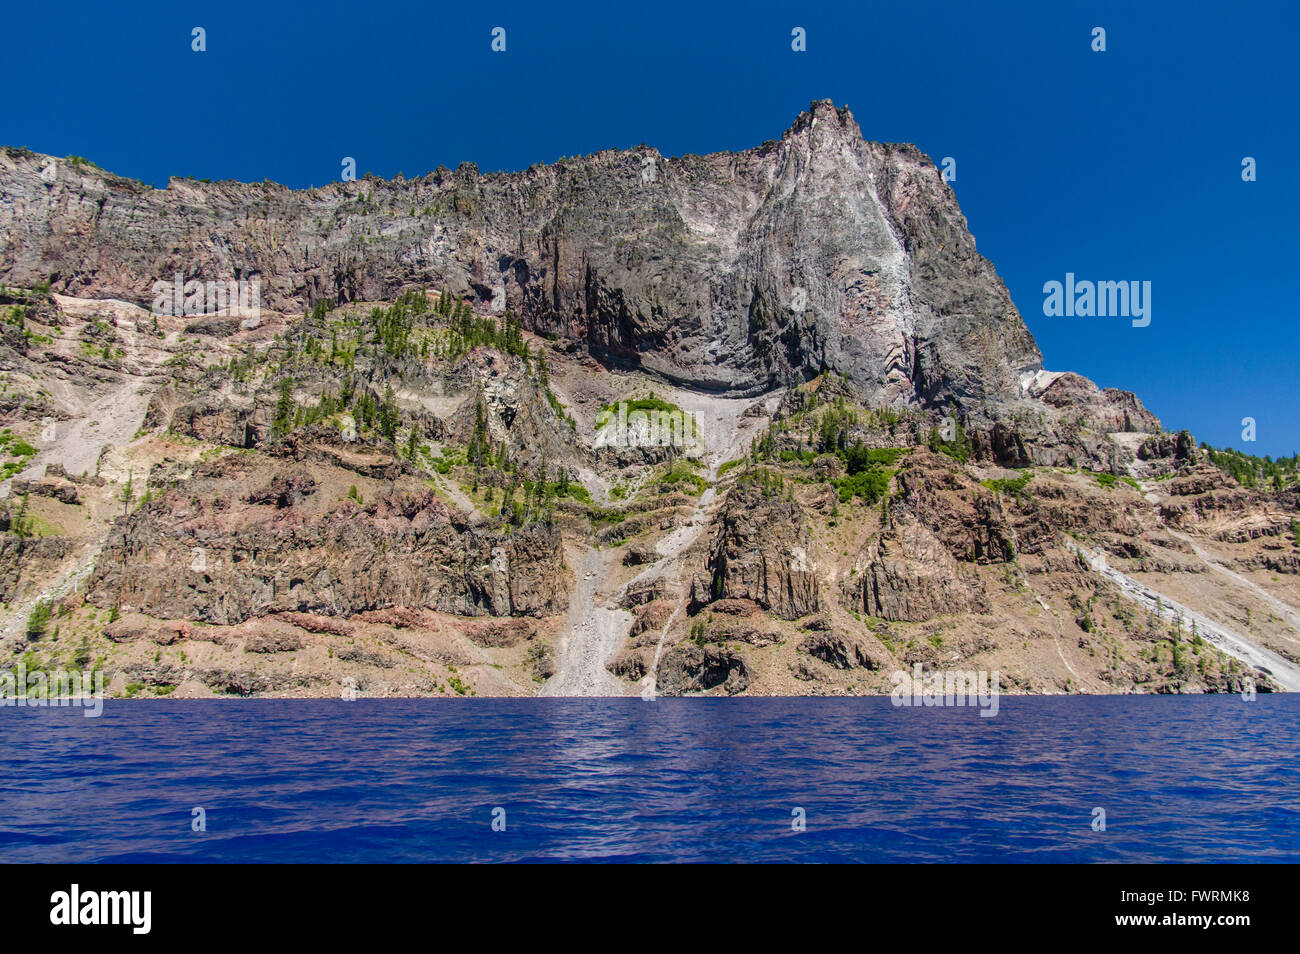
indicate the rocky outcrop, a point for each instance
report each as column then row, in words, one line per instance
column 1049, row 509
column 964, row 516
column 273, row 643
column 1108, row 410
column 1180, row 447
column 1062, row 419
column 632, row 663
column 56, row 484
column 285, row 489
column 504, row 632
column 516, row 412
column 760, row 553
column 689, row 668
column 1204, row 499
column 738, row 621
column 24, row 558
column 230, row 418
column 906, row 573
column 842, row 650
column 187, row 556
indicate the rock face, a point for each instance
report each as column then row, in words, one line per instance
column 733, row 271
column 1064, row 420
column 516, row 412
column 908, row 574
column 23, row 557
column 361, row 489
column 1112, row 409
column 193, row 555
column 1204, row 499
column 841, row 651
column 951, row 505
column 761, row 554
column 690, row 668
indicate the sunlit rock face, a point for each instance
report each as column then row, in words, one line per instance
column 734, row 272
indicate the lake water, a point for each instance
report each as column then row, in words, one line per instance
column 1180, row 779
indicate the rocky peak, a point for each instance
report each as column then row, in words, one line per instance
column 824, row 127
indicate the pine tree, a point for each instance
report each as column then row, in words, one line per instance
column 389, row 416
column 479, row 448
column 127, row 494
column 284, row 408
column 37, row 620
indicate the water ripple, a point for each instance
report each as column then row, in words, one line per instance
column 1180, row 779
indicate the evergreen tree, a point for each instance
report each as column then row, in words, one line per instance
column 389, row 416
column 284, row 408
column 479, row 448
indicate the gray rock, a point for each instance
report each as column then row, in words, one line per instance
column 732, row 271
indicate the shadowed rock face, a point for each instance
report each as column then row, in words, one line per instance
column 689, row 668
column 733, row 271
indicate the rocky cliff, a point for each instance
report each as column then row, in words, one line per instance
column 399, row 475
column 733, row 271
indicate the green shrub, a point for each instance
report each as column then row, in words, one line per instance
column 871, row 485
column 38, row 620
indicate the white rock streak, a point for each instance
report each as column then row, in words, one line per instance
column 1284, row 673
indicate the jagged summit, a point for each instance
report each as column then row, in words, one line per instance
column 825, row 110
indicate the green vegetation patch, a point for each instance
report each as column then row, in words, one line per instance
column 645, row 404
column 1010, row 486
column 681, row 474
column 1251, row 471
column 1108, row 480
column 870, row 485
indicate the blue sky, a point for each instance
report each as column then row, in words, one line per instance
column 1117, row 165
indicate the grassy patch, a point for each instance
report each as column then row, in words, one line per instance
column 1108, row 480
column 1011, row 486
column 681, row 474
column 570, row 489
column 650, row 403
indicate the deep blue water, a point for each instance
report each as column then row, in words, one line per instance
column 1180, row 779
